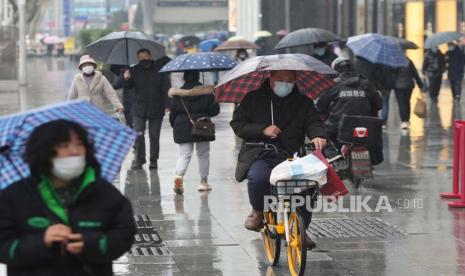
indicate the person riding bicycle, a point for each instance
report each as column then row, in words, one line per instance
column 276, row 113
column 352, row 96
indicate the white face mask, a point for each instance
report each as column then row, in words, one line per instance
column 283, row 88
column 320, row 51
column 68, row 168
column 88, row 69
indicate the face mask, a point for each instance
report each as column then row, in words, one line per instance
column 320, row 51
column 68, row 168
column 88, row 69
column 282, row 89
column 146, row 63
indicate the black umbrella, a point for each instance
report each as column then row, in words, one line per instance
column 440, row 38
column 306, row 36
column 121, row 48
column 405, row 44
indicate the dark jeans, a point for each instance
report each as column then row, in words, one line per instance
column 403, row 100
column 385, row 110
column 456, row 86
column 154, row 137
column 259, row 186
column 434, row 87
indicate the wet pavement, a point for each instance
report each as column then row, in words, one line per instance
column 203, row 234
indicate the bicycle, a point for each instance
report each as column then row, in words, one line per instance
column 287, row 223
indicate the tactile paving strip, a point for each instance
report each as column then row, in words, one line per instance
column 353, row 228
column 147, row 242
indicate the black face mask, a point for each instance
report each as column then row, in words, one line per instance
column 146, row 63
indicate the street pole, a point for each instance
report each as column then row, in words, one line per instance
column 22, row 42
column 287, row 15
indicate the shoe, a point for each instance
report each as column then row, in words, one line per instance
column 309, row 243
column 136, row 166
column 254, row 221
column 178, row 185
column 404, row 125
column 384, row 127
column 204, row 186
column 153, row 166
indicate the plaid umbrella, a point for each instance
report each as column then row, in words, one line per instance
column 312, row 76
column 111, row 139
column 378, row 49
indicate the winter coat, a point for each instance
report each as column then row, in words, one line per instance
column 382, row 77
column 434, row 64
column 200, row 102
column 455, row 63
column 150, row 90
column 100, row 213
column 353, row 96
column 406, row 76
column 128, row 93
column 99, row 90
column 295, row 115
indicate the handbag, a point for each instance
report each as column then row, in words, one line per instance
column 420, row 107
column 201, row 127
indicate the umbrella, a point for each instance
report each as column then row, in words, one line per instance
column 207, row 45
column 378, row 49
column 121, row 48
column 282, row 32
column 203, row 61
column 312, row 76
column 189, row 40
column 263, row 34
column 405, row 44
column 440, row 38
column 236, row 37
column 306, row 36
column 111, row 139
column 236, row 44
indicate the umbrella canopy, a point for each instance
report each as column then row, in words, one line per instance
column 111, row 139
column 204, row 61
column 405, row 44
column 207, row 45
column 440, row 38
column 121, row 48
column 306, row 36
column 312, row 76
column 236, row 44
column 236, row 37
column 378, row 49
column 189, row 40
column 260, row 34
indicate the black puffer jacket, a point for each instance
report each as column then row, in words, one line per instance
column 406, row 76
column 295, row 115
column 434, row 64
column 382, row 77
column 200, row 102
column 100, row 213
column 353, row 96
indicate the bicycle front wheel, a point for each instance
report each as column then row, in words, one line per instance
column 272, row 241
column 296, row 248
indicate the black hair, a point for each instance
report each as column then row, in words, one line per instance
column 40, row 147
column 191, row 76
column 144, row 50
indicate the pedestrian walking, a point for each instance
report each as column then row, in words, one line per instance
column 434, row 65
column 455, row 59
column 405, row 82
column 191, row 103
column 149, row 104
column 92, row 86
column 64, row 219
column 323, row 52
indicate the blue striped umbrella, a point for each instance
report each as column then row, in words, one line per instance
column 378, row 49
column 205, row 62
column 111, row 139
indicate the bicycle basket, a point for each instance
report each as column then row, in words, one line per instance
column 293, row 187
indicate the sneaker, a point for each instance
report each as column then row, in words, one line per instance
column 254, row 221
column 404, row 125
column 153, row 166
column 204, row 186
column 178, row 185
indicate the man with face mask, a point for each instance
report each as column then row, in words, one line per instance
column 434, row 66
column 149, row 104
column 455, row 69
column 323, row 53
column 276, row 113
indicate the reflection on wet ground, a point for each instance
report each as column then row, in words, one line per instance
column 204, row 232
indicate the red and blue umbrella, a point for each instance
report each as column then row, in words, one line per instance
column 111, row 139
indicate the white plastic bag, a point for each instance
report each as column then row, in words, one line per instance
column 309, row 167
